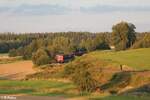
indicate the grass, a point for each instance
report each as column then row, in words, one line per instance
column 3, row 54
column 138, row 58
column 6, row 60
column 38, row 88
column 55, row 88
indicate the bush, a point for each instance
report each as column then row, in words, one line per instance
column 12, row 53
column 83, row 79
column 69, row 70
column 40, row 57
column 81, row 76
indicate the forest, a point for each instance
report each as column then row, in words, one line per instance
column 43, row 47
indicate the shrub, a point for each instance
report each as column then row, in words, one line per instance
column 12, row 53
column 81, row 76
column 68, row 70
column 83, row 79
column 40, row 57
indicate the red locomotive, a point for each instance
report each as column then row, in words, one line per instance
column 62, row 58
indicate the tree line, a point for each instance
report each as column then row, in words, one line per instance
column 44, row 49
column 45, row 46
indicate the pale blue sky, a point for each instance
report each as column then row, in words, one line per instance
column 72, row 15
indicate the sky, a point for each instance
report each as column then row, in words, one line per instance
column 72, row 15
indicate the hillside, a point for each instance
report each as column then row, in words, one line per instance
column 103, row 67
column 137, row 59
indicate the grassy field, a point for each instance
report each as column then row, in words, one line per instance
column 138, row 58
column 55, row 88
column 4, row 59
column 37, row 88
column 3, row 54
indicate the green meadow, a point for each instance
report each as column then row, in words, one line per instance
column 55, row 88
column 37, row 88
column 136, row 58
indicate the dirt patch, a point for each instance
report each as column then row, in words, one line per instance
column 16, row 70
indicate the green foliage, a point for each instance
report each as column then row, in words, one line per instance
column 84, row 81
column 16, row 52
column 12, row 53
column 5, row 46
column 81, row 76
column 123, row 35
column 143, row 42
column 40, row 57
column 61, row 45
column 88, row 44
column 69, row 70
column 26, row 44
column 97, row 43
column 27, row 53
column 66, row 42
column 28, row 50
